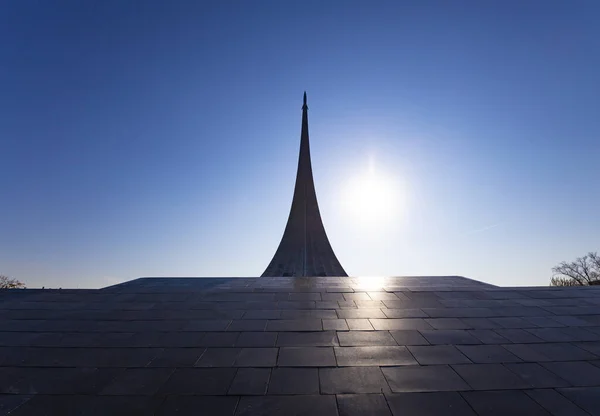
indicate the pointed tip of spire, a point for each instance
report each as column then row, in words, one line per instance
column 304, row 106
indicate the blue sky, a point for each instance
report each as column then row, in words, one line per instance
column 161, row 138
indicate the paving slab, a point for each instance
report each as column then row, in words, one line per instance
column 306, row 357
column 362, row 405
column 305, row 405
column 587, row 398
column 194, row 405
column 294, row 381
column 423, row 378
column 199, row 381
column 438, row 354
column 352, row 380
column 250, row 381
column 577, row 373
column 373, row 356
column 365, row 338
column 502, row 403
column 138, row 382
column 483, row 354
column 490, row 377
column 555, row 403
column 429, row 404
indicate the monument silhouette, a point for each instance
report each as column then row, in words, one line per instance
column 304, row 249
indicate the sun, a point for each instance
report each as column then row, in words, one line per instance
column 373, row 198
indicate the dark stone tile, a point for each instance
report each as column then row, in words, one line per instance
column 335, row 325
column 449, row 337
column 422, row 379
column 199, row 381
column 294, row 381
column 441, row 312
column 296, row 304
column 536, row 376
column 373, row 356
column 346, row 304
column 68, row 405
column 551, row 334
column 256, row 339
column 307, row 339
column 323, row 313
column 383, row 296
column 501, row 403
column 327, row 305
column 352, row 380
column 256, row 357
column 487, row 336
column 525, row 352
column 287, row 405
column 177, row 357
column 298, row 314
column 207, row 325
column 581, row 334
column 369, row 304
column 32, row 380
column 593, row 347
column 218, row 357
column 362, row 405
column 360, row 313
column 359, row 325
column 447, row 323
column 563, row 352
column 489, row 377
column 138, row 382
column 518, row 336
column 357, row 296
column 306, row 357
column 404, row 313
column 512, row 322
column 543, row 322
column 395, row 324
column 193, row 405
column 587, row 398
column 247, row 325
column 332, row 296
column 572, row 320
column 365, row 338
column 219, row 339
column 304, row 296
column 555, row 403
column 408, row 337
column 80, row 357
column 438, row 354
column 295, row 325
column 488, row 354
column 10, row 402
column 429, row 404
column 577, row 373
column 262, row 314
column 250, row 381
column 480, row 323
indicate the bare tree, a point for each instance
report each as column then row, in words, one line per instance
column 584, row 271
column 8, row 283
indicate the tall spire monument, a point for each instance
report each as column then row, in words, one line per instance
column 304, row 249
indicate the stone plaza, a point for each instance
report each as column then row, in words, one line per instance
column 343, row 346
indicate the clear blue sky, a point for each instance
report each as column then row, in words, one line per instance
column 161, row 138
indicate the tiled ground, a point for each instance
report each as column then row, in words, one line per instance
column 306, row 346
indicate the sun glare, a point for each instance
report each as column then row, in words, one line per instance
column 373, row 198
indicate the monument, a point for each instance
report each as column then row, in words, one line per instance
column 304, row 249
